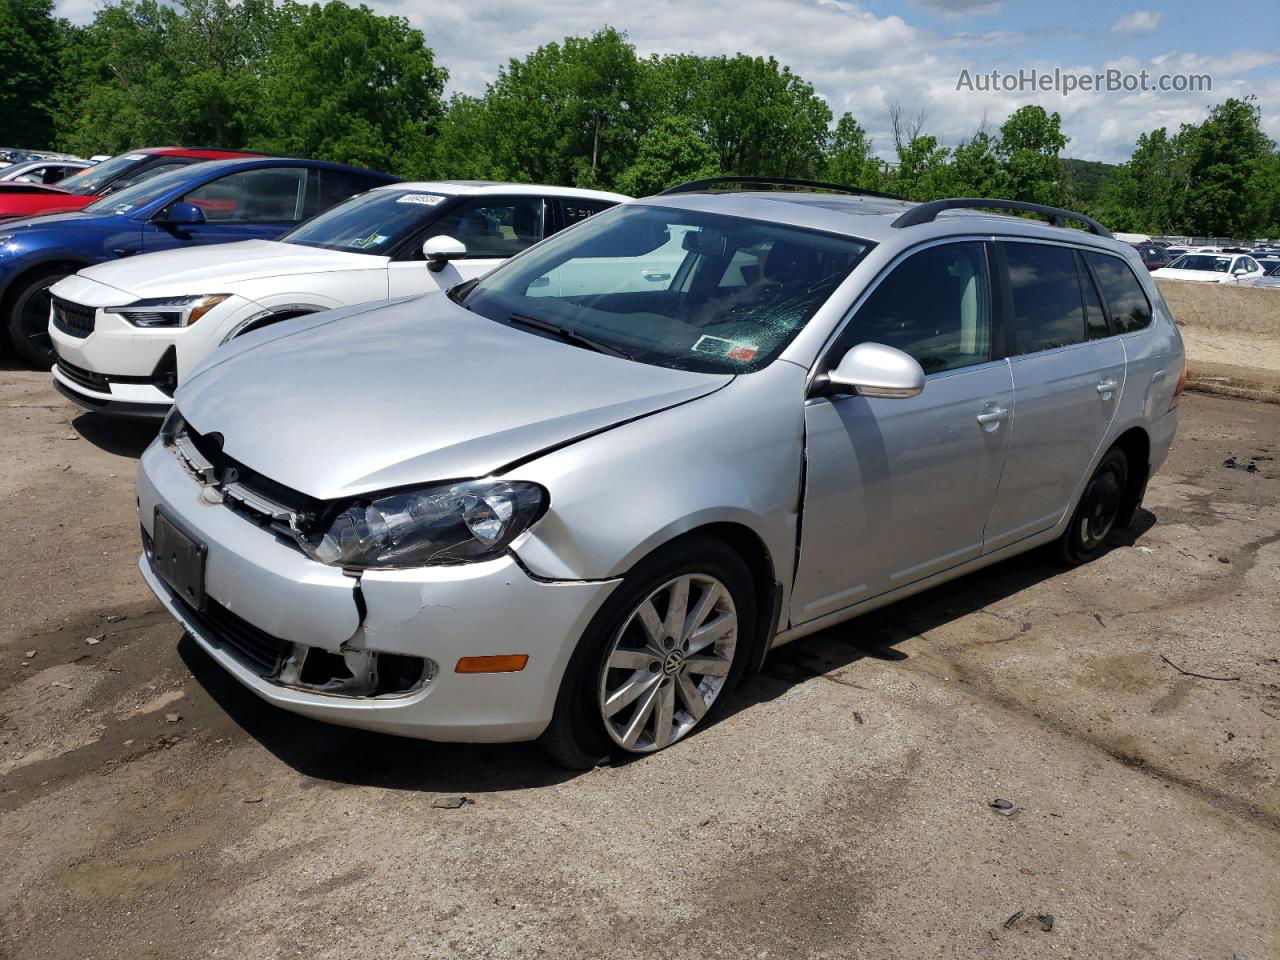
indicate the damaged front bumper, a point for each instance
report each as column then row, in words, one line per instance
column 387, row 642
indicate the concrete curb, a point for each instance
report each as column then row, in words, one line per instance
column 1227, row 380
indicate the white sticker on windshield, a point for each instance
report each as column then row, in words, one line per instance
column 429, row 199
column 135, row 156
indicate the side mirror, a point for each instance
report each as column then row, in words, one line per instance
column 873, row 370
column 183, row 215
column 440, row 250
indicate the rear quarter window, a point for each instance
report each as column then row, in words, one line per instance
column 1126, row 302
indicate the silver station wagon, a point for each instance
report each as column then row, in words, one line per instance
column 579, row 498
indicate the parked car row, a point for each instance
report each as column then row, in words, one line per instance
column 507, row 481
column 1212, row 268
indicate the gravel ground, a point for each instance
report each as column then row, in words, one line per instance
column 151, row 809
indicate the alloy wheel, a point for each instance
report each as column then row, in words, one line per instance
column 1102, row 506
column 668, row 663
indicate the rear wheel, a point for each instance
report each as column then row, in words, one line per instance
column 660, row 659
column 1095, row 516
column 28, row 321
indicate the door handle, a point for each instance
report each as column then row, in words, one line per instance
column 993, row 417
column 124, row 251
column 655, row 276
column 1107, row 387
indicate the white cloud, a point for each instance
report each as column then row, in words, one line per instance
column 1140, row 21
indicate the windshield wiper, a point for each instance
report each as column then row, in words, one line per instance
column 568, row 335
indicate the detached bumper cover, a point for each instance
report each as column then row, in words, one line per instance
column 442, row 613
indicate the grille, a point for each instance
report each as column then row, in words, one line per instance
column 85, row 378
column 73, row 319
column 256, row 649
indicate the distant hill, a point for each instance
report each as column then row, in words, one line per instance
column 1084, row 180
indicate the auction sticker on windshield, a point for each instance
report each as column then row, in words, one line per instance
column 430, row 199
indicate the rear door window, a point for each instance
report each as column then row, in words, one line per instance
column 1126, row 302
column 1048, row 302
column 573, row 210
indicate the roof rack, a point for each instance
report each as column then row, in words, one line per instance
column 928, row 212
column 693, row 186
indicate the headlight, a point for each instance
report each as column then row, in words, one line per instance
column 450, row 523
column 169, row 311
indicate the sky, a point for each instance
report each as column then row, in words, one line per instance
column 866, row 56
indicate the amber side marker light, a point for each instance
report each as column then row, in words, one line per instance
column 502, row 663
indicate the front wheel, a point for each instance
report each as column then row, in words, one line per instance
column 1095, row 516
column 28, row 320
column 660, row 659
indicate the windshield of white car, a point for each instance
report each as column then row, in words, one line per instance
column 372, row 222
column 143, row 192
column 1201, row 261
column 675, row 288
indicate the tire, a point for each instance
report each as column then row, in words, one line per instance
column 619, row 709
column 27, row 323
column 1095, row 516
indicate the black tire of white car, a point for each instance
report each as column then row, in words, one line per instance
column 1095, row 515
column 30, row 342
column 576, row 737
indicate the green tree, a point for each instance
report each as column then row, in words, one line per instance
column 343, row 83
column 759, row 117
column 849, row 158
column 1030, row 141
column 671, row 152
column 31, row 41
column 1227, row 158
column 567, row 113
column 149, row 73
column 976, row 170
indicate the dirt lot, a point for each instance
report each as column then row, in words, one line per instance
column 841, row 811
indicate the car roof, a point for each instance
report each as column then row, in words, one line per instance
column 257, row 160
column 868, row 217
column 205, row 153
column 479, row 188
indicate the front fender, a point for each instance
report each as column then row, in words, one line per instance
column 733, row 456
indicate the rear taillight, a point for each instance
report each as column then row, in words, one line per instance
column 1182, row 385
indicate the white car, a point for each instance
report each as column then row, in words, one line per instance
column 1211, row 268
column 129, row 331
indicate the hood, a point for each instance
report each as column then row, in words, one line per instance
column 214, row 267
column 409, row 392
column 1198, row 276
column 56, row 221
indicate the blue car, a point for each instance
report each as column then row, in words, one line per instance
column 216, row 202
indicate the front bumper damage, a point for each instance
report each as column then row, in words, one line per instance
column 386, row 642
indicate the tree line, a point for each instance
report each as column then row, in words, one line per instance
column 339, row 82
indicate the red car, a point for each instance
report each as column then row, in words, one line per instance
column 1153, row 257
column 82, row 188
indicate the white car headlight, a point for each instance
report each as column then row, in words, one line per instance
column 449, row 523
column 169, row 311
